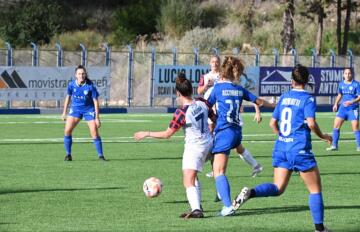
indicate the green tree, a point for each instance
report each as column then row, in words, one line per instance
column 31, row 21
column 134, row 19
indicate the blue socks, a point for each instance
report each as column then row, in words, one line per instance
column 223, row 188
column 266, row 190
column 98, row 146
column 316, row 205
column 67, row 144
column 336, row 136
column 357, row 137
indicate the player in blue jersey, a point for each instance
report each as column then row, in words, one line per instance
column 293, row 119
column 227, row 96
column 192, row 116
column 84, row 104
column 347, row 107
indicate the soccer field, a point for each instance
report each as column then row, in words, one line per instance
column 41, row 192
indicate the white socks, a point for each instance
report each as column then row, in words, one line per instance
column 247, row 157
column 193, row 198
column 198, row 188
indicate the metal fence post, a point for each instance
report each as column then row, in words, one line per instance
column 294, row 54
column 83, row 55
column 196, row 56
column 257, row 57
column 35, row 62
column 313, row 57
column 59, row 55
column 276, row 56
column 216, row 51
column 332, row 58
column 9, row 62
column 350, row 57
column 130, row 65
column 153, row 62
column 107, row 54
column 174, row 52
column 235, row 51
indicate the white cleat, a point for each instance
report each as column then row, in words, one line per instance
column 210, row 174
column 243, row 196
column 257, row 170
column 332, row 148
column 227, row 211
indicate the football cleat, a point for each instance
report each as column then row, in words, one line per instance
column 324, row 230
column 332, row 148
column 210, row 174
column 197, row 213
column 68, row 158
column 102, row 158
column 257, row 170
column 227, row 211
column 243, row 196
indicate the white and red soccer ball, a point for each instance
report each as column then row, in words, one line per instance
column 152, row 187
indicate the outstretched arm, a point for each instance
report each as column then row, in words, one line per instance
column 154, row 134
column 262, row 102
column 257, row 116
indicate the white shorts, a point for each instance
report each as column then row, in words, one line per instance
column 195, row 155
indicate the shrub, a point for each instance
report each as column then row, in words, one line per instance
column 177, row 17
column 203, row 38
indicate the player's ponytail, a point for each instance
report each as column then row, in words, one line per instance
column 183, row 85
column 232, row 68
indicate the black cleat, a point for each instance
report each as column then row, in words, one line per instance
column 217, row 199
column 197, row 213
column 102, row 158
column 68, row 158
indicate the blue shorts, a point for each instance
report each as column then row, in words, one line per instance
column 88, row 115
column 295, row 161
column 227, row 139
column 348, row 114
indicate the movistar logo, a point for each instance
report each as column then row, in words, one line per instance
column 11, row 81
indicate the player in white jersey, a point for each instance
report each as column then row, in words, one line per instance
column 206, row 85
column 192, row 116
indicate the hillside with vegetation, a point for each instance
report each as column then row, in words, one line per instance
column 204, row 24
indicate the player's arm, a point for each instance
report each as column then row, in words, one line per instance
column 257, row 116
column 154, row 134
column 274, row 126
column 336, row 103
column 314, row 127
column 97, row 112
column 262, row 102
column 202, row 87
column 66, row 105
column 356, row 100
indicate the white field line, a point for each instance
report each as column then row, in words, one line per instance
column 128, row 139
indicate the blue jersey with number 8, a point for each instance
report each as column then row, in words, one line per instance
column 291, row 112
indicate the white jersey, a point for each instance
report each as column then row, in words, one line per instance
column 214, row 77
column 193, row 119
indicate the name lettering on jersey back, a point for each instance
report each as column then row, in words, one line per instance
column 286, row 140
column 291, row 101
column 234, row 93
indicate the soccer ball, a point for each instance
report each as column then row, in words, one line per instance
column 152, row 187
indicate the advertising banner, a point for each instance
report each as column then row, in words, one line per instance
column 47, row 83
column 322, row 81
column 165, row 75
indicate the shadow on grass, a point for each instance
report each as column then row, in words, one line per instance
column 14, row 191
column 150, row 158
